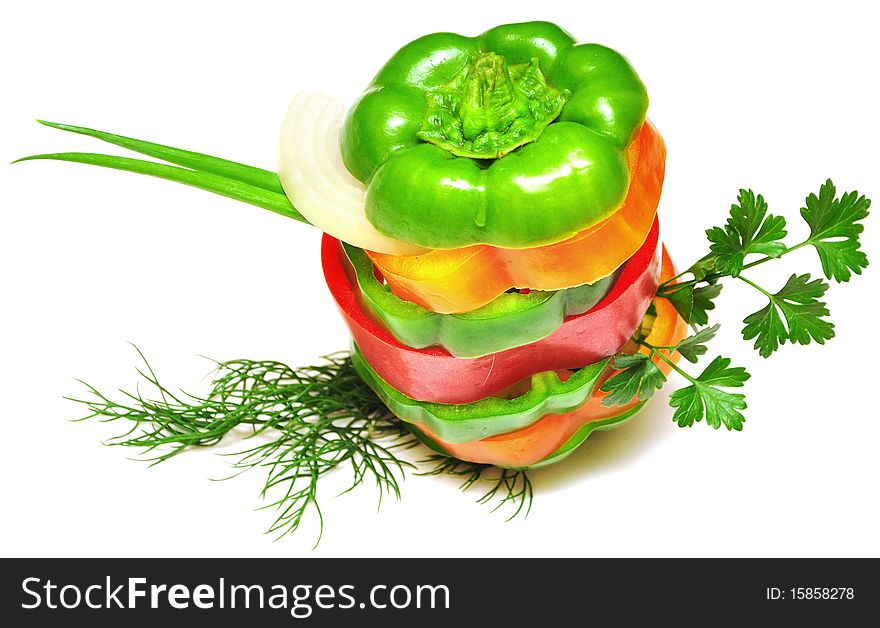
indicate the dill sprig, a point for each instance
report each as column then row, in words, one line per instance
column 305, row 423
column 508, row 486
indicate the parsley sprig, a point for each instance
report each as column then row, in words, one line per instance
column 796, row 313
column 705, row 398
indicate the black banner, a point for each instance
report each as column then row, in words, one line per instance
column 518, row 592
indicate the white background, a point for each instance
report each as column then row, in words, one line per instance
column 772, row 96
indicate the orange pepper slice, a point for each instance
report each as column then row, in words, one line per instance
column 460, row 280
column 532, row 444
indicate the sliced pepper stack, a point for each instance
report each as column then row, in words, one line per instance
column 519, row 169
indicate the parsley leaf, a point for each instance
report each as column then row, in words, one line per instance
column 639, row 377
column 749, row 229
column 692, row 347
column 835, row 229
column 766, row 325
column 682, row 299
column 798, row 303
column 704, row 267
column 704, row 398
column 692, row 302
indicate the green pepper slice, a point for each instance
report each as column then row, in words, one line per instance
column 576, row 440
column 514, row 138
column 511, row 320
column 462, row 423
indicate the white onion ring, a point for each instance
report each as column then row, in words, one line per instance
column 316, row 181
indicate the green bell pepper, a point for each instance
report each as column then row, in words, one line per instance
column 462, row 423
column 515, row 138
column 513, row 319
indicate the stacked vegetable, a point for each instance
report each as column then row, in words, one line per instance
column 489, row 207
column 491, row 239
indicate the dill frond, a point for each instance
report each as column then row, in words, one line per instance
column 510, row 487
column 305, row 422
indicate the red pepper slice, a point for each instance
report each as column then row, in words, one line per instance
column 433, row 374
